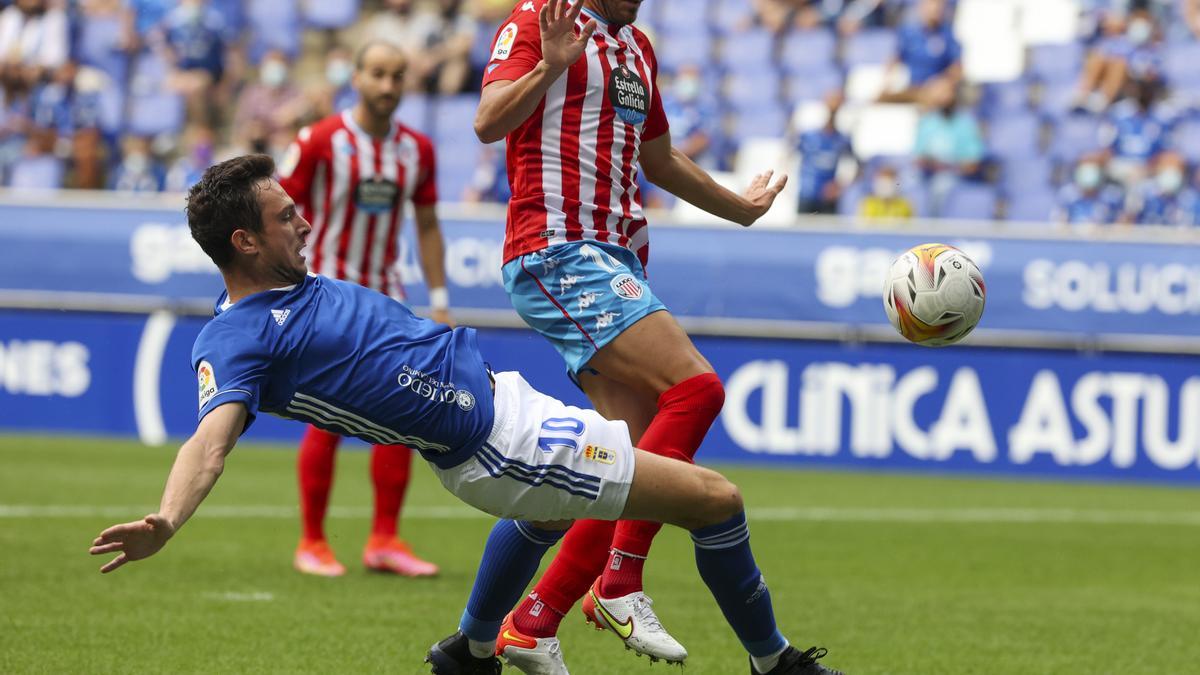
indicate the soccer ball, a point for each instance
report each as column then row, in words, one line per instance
column 934, row 295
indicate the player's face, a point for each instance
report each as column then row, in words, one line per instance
column 380, row 80
column 620, row 12
column 284, row 231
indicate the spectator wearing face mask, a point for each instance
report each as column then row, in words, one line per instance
column 885, row 203
column 1089, row 199
column 139, row 170
column 691, row 116
column 339, row 67
column 821, row 151
column 1166, row 197
column 1129, row 48
column 269, row 108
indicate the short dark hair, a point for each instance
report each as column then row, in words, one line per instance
column 225, row 200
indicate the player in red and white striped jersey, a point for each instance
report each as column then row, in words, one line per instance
column 351, row 175
column 573, row 89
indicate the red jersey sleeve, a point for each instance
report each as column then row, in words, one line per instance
column 517, row 47
column 425, row 192
column 656, row 118
column 298, row 167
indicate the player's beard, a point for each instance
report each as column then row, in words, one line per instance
column 290, row 274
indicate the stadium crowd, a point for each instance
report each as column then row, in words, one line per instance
column 893, row 108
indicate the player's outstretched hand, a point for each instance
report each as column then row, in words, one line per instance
column 136, row 540
column 762, row 193
column 561, row 46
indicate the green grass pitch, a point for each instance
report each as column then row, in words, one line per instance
column 894, row 574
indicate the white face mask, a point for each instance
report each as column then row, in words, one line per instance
column 885, row 187
column 136, row 162
column 191, row 13
column 273, row 73
column 338, row 72
column 687, row 88
column 1088, row 176
column 1139, row 31
column 1169, row 180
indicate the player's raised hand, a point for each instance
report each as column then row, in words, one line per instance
column 561, row 45
column 762, row 193
column 134, row 541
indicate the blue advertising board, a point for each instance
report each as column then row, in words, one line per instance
column 788, row 402
column 1057, row 287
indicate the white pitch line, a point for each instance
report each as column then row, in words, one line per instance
column 820, row 514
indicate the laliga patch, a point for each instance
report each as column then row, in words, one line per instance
column 208, row 383
column 628, row 95
column 596, row 453
column 504, row 43
column 626, row 287
column 376, row 196
column 290, row 161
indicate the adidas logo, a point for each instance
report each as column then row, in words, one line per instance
column 280, row 315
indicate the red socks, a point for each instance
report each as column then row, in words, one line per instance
column 569, row 576
column 390, row 469
column 685, row 413
column 315, row 469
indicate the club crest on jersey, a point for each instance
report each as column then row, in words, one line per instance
column 504, row 43
column 376, row 195
column 208, row 382
column 596, row 453
column 626, row 287
column 629, row 96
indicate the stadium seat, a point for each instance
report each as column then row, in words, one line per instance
column 1056, row 65
column 865, row 83
column 762, row 120
column 970, row 201
column 683, row 16
column 885, row 130
column 748, row 52
column 414, row 112
column 454, row 117
column 808, row 51
column 812, row 86
column 44, row 172
column 1041, row 22
column 153, row 109
column 752, row 89
column 682, row 48
column 980, row 19
column 273, row 24
column 1027, row 175
column 727, row 15
column 1002, row 98
column 1056, row 102
column 96, row 44
column 869, row 47
column 1073, row 136
column 1034, row 205
column 1016, row 135
column 1180, row 63
column 997, row 57
column 324, row 14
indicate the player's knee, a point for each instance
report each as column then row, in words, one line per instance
column 722, row 500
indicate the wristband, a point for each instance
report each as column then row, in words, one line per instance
column 439, row 298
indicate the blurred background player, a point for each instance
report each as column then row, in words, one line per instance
column 577, row 97
column 351, row 174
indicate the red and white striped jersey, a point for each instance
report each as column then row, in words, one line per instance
column 352, row 188
column 572, row 165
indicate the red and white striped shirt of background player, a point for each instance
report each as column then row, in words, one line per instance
column 572, row 165
column 337, row 174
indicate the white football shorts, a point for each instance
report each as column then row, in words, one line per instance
column 545, row 460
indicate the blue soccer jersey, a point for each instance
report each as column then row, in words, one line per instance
column 352, row 361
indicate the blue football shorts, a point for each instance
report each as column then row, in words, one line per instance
column 580, row 295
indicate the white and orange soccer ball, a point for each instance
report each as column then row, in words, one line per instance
column 934, row 295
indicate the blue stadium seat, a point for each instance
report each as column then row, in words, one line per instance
column 680, row 16
column 813, row 86
column 1056, row 102
column 1058, row 65
column 752, row 89
column 1027, row 175
column 970, row 201
column 1002, row 98
column 273, row 24
column 869, row 47
column 1180, row 63
column 682, row 48
column 37, row 173
column 414, row 112
column 1017, row 135
column 330, row 14
column 454, row 118
column 749, row 52
column 851, row 197
column 762, row 120
column 1073, row 136
column 1034, row 205
column 808, row 51
column 728, row 15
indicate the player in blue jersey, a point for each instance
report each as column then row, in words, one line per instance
column 354, row 362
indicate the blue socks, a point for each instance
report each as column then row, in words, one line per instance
column 511, row 558
column 727, row 566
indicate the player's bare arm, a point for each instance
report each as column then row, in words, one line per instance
column 673, row 171
column 433, row 257
column 505, row 104
column 198, row 465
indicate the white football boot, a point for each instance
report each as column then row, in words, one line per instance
column 530, row 655
column 633, row 619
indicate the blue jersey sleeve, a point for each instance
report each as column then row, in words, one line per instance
column 231, row 367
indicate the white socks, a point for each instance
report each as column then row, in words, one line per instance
column 763, row 664
column 483, row 650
